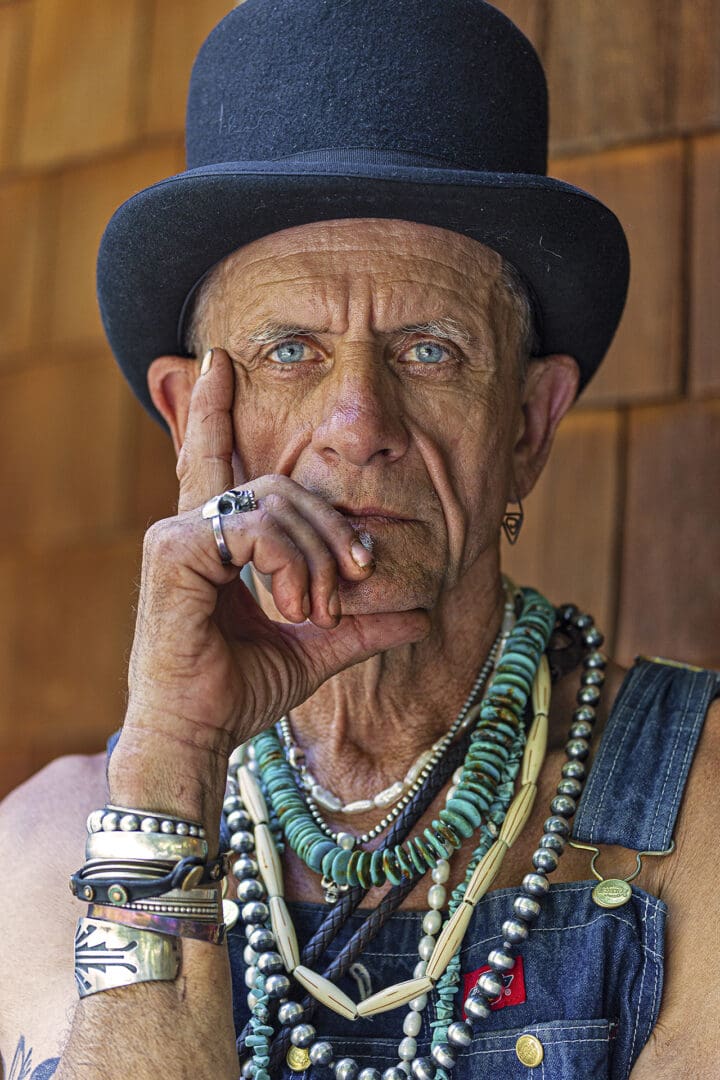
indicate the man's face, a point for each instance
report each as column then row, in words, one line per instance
column 407, row 432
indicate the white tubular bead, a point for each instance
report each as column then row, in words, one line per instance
column 394, row 996
column 535, row 748
column 541, row 687
column 268, row 861
column 359, row 807
column 284, row 931
column 485, row 872
column 326, row 992
column 449, row 941
column 252, row 796
column 518, row 813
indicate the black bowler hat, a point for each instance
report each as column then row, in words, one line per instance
column 431, row 111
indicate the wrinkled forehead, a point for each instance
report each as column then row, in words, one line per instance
column 422, row 262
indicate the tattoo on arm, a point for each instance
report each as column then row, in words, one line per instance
column 21, row 1066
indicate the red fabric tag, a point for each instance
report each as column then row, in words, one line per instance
column 513, row 986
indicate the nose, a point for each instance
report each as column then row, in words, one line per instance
column 361, row 417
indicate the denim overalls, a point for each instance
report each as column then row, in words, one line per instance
column 589, row 984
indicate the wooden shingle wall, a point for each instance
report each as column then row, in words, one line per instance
column 625, row 520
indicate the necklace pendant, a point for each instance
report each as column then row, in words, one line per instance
column 611, row 893
column 298, row 1059
column 231, row 913
column 332, row 890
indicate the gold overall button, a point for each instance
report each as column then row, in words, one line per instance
column 298, row 1059
column 529, row 1050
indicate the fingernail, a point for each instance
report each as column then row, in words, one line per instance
column 334, row 605
column 360, row 554
column 306, row 606
column 207, row 361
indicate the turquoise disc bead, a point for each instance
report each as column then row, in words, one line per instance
column 339, row 866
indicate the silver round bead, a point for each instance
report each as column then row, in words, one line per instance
column 250, row 889
column 245, row 867
column 593, row 638
column 250, row 977
column 596, row 659
column 501, row 961
column 407, row 1048
column 230, row 804
column 536, row 884
column 526, row 908
column 444, row 1055
column 242, row 841
column 167, row 827
column 459, row 1033
column 193, row 830
column 593, row 677
column 394, row 1073
column 255, row 912
column 570, row 787
column 368, row 1073
column 422, row 1068
column 249, row 955
column 545, row 860
column 94, row 821
column 552, row 841
column 290, row 1012
column 514, row 931
column 277, row 986
column 583, row 621
column 262, row 940
column 588, row 695
column 239, row 821
column 581, row 729
column 129, row 823
column 490, row 984
column 477, row 1007
column 574, row 770
column 563, row 806
column 321, row 1053
column 269, row 963
column 557, row 825
column 577, row 748
column 110, row 821
column 302, row 1035
column 182, row 828
column 347, row 1069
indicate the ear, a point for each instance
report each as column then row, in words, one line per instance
column 550, row 388
column 170, row 382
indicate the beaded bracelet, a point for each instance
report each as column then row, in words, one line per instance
column 124, row 819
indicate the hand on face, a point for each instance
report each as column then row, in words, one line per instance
column 204, row 653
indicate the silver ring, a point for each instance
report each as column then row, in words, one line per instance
column 225, row 556
column 232, row 501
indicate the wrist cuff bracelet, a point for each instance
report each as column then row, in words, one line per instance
column 176, row 926
column 108, row 956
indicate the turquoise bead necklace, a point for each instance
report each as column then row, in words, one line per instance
column 499, row 726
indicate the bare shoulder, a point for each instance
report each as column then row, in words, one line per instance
column 42, row 830
column 688, row 885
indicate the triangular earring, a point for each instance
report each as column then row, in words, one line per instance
column 512, row 523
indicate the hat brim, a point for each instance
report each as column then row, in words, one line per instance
column 568, row 246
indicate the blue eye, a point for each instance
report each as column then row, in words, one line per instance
column 426, row 352
column 289, row 352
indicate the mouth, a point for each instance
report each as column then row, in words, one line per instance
column 368, row 515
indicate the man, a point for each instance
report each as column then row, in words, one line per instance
column 382, row 352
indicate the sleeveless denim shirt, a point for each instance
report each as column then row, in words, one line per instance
column 590, row 981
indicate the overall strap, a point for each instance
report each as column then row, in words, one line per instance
column 638, row 777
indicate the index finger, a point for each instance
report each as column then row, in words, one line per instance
column 204, row 466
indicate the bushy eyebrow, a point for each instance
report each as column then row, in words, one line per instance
column 445, row 328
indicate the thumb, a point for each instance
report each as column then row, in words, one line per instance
column 356, row 638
